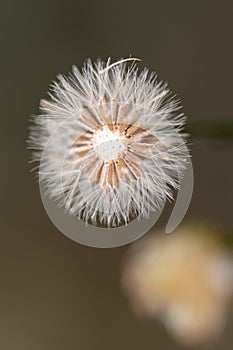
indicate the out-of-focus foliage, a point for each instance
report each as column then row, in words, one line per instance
column 184, row 279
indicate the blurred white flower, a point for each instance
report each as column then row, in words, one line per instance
column 115, row 148
column 185, row 280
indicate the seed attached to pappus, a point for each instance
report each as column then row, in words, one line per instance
column 109, row 143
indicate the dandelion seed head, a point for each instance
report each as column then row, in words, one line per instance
column 114, row 145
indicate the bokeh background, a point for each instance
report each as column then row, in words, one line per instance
column 55, row 293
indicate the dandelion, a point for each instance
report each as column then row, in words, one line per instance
column 114, row 147
column 184, row 280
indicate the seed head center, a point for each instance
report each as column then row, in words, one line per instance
column 108, row 144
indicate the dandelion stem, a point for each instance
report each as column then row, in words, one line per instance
column 211, row 129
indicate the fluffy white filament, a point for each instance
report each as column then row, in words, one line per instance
column 113, row 145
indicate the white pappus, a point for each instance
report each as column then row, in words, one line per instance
column 109, row 141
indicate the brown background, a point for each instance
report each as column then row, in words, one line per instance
column 54, row 293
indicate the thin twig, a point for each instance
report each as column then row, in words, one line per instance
column 121, row 61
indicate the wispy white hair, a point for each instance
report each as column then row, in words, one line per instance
column 109, row 142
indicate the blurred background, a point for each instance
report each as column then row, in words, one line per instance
column 55, row 293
